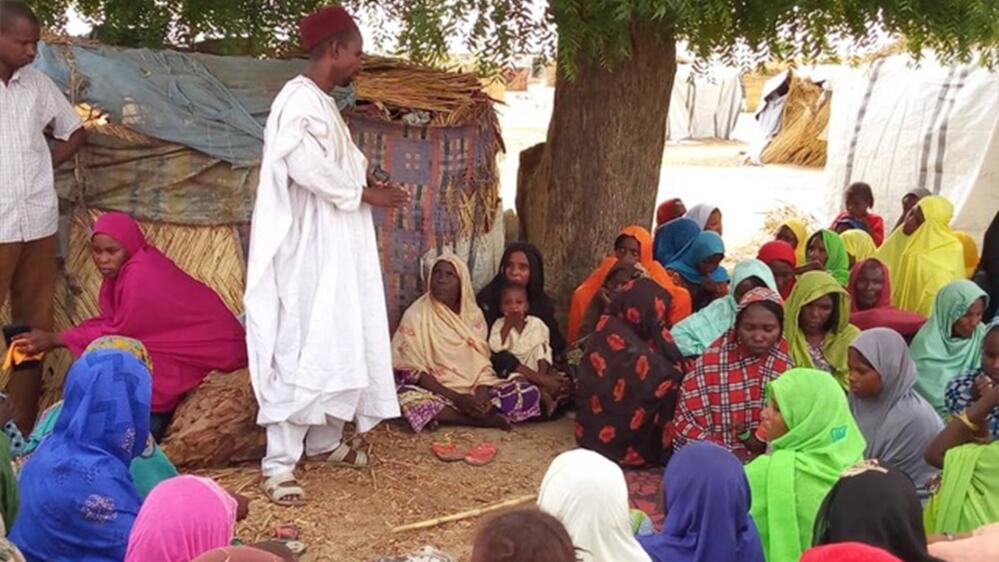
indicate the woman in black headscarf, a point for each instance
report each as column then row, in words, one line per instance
column 874, row 504
column 987, row 275
column 523, row 265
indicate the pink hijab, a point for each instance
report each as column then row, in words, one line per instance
column 181, row 519
column 183, row 323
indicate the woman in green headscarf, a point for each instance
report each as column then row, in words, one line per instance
column 827, row 252
column 697, row 332
column 817, row 324
column 812, row 439
column 950, row 341
column 968, row 497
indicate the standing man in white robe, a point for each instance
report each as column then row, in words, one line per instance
column 317, row 329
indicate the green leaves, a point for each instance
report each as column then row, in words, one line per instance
column 573, row 30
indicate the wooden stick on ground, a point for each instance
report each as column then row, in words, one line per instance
column 465, row 514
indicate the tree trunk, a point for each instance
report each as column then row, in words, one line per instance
column 599, row 169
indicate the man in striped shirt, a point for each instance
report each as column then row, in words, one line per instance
column 31, row 107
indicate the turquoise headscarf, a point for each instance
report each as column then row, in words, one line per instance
column 939, row 356
column 688, row 261
column 789, row 483
column 695, row 333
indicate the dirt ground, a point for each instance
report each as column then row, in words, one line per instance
column 351, row 512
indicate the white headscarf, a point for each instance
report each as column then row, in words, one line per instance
column 700, row 214
column 589, row 495
column 898, row 424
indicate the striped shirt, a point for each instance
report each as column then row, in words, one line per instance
column 29, row 103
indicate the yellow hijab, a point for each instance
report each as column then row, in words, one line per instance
column 800, row 230
column 927, row 260
column 970, row 253
column 811, row 287
column 859, row 244
column 451, row 347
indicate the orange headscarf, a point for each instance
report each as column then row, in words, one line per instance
column 680, row 303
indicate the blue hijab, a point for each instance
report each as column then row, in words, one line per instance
column 78, row 501
column 686, row 263
column 707, row 510
column 673, row 237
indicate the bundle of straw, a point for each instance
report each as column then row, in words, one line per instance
column 216, row 424
column 806, row 115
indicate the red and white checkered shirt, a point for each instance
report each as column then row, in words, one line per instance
column 725, row 390
column 29, row 103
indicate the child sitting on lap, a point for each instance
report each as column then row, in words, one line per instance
column 526, row 337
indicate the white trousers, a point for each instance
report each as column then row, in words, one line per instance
column 286, row 442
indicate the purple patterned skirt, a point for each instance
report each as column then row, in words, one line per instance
column 517, row 400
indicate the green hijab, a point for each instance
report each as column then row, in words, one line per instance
column 940, row 357
column 698, row 331
column 837, row 258
column 10, row 498
column 810, row 287
column 789, row 483
column 969, row 494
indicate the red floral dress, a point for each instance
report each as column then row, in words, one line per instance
column 628, row 379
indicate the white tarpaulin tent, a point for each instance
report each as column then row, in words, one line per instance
column 704, row 106
column 898, row 125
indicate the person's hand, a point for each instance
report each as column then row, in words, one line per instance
column 554, row 384
column 810, row 266
column 390, row 197
column 36, row 341
column 471, row 405
column 374, row 182
column 605, row 296
column 242, row 506
column 990, row 397
column 983, row 384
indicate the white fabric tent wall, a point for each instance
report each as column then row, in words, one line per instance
column 898, row 125
column 704, row 106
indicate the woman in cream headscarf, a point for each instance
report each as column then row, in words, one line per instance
column 442, row 359
column 589, row 495
column 923, row 255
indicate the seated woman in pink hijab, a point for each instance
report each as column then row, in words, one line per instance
column 183, row 323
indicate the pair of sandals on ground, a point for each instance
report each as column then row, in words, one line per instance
column 284, row 489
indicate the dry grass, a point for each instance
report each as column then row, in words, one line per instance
column 806, row 115
column 351, row 512
column 771, row 223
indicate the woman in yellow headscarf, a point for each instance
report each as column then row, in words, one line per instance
column 970, row 252
column 795, row 233
column 923, row 255
column 817, row 324
column 859, row 245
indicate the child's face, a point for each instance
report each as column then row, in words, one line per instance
column 514, row 301
column 856, row 205
column 616, row 281
column 628, row 250
column 990, row 355
column 787, row 235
